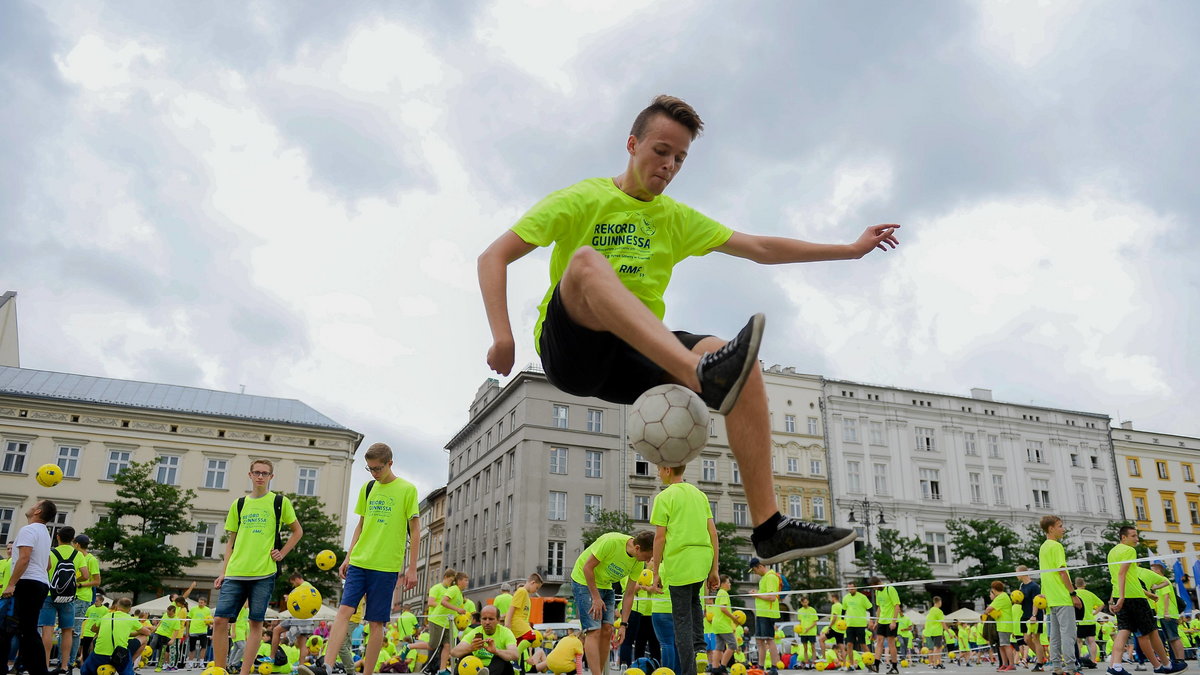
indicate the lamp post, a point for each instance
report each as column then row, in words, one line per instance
column 868, row 521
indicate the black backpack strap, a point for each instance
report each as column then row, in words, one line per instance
column 370, row 484
column 241, row 501
column 278, row 517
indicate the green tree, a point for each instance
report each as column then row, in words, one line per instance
column 1028, row 551
column 320, row 533
column 804, row 573
column 605, row 521
column 1098, row 579
column 130, row 540
column 728, row 560
column 897, row 558
column 989, row 544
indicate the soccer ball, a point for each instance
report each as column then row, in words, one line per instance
column 304, row 602
column 314, row 643
column 646, row 577
column 820, row 665
column 462, row 621
column 266, row 668
column 668, row 425
column 663, row 671
column 840, row 625
column 737, row 669
column 326, row 559
column 634, row 671
column 49, row 475
column 1017, row 596
column 868, row 658
column 470, row 665
column 739, row 616
column 904, row 663
column 1039, row 601
column 106, row 669
column 211, row 670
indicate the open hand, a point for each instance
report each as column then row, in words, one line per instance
column 880, row 237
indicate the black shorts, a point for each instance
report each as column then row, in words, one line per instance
column 838, row 638
column 1137, row 617
column 885, row 630
column 1085, row 631
column 856, row 635
column 809, row 639
column 596, row 363
column 198, row 641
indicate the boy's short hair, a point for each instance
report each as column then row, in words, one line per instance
column 260, row 460
column 123, row 604
column 677, row 470
column 998, row 586
column 449, row 573
column 1048, row 522
column 669, row 106
column 644, row 540
column 379, row 452
column 725, row 578
column 460, row 576
column 536, row 578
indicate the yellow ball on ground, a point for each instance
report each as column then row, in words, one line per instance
column 646, row 577
column 265, row 668
column 820, row 665
column 462, row 621
column 924, row 650
column 304, row 602
column 739, row 616
column 952, row 655
column 868, row 658
column 211, row 670
column 106, row 669
column 211, row 664
column 904, row 663
column 737, row 669
column 634, row 671
column 470, row 665
column 49, row 475
column 663, row 671
column 326, row 559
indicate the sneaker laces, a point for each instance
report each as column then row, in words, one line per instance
column 803, row 524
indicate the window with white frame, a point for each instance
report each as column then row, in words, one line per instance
column 812, row 426
column 68, row 460
column 849, row 430
column 993, row 445
column 737, row 473
column 793, row 465
column 876, row 431
column 1041, row 493
column 881, row 478
column 795, row 506
column 975, row 483
column 816, row 467
column 936, row 551
column 854, row 476
column 15, row 453
column 969, row 444
column 641, row 508
column 1075, row 459
column 595, row 420
column 306, row 481
column 559, row 416
column 558, row 460
column 557, row 506
column 168, row 470
column 215, row 471
column 789, row 423
column 931, row 484
column 593, row 464
column 508, row 509
column 62, row 519
column 741, row 516
column 708, row 469
column 712, row 508
column 206, row 540
column 1101, row 500
column 512, row 464
column 6, row 524
column 1187, row 473
column 640, row 466
column 1081, row 500
column 487, row 479
column 554, row 558
column 591, row 507
column 1033, row 452
column 925, row 441
column 1139, row 508
column 818, row 508
column 998, row 496
column 1194, row 512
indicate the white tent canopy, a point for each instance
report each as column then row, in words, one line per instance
column 963, row 614
column 156, row 607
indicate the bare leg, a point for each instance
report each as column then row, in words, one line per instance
column 253, row 640
column 374, row 643
column 592, row 649
column 337, row 635
column 220, row 641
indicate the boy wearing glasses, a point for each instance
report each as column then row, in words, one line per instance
column 387, row 516
column 250, row 563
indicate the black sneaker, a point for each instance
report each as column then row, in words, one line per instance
column 1037, row 668
column 1177, row 666
column 318, row 669
column 795, row 538
column 723, row 372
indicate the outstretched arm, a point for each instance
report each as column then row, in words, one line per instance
column 493, row 283
column 779, row 250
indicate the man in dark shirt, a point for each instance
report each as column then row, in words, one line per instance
column 1030, row 589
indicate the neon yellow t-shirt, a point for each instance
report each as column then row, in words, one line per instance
column 835, row 613
column 642, row 602
column 904, row 627
column 407, row 623
column 293, row 657
column 1118, row 555
column 501, row 603
column 65, row 551
column 643, row 241
column 721, row 623
column 1166, row 605
column 933, row 622
column 614, row 563
column 1001, row 612
column 684, row 510
column 86, row 593
column 1052, row 555
column 92, row 613
column 503, row 639
column 442, row 615
column 380, row 546
column 888, row 601
column 660, row 603
column 768, row 609
column 197, row 625
column 562, row 658
column 167, row 627
column 807, row 617
column 435, row 594
column 521, row 607
column 241, row 625
column 857, row 607
column 115, row 632
column 1091, row 603
column 256, row 529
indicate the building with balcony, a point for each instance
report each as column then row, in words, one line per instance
column 924, row 458
column 1160, row 489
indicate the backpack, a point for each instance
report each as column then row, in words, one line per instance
column 278, row 510
column 647, row 664
column 62, row 580
column 783, row 582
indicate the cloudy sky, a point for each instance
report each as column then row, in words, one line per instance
column 291, row 196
